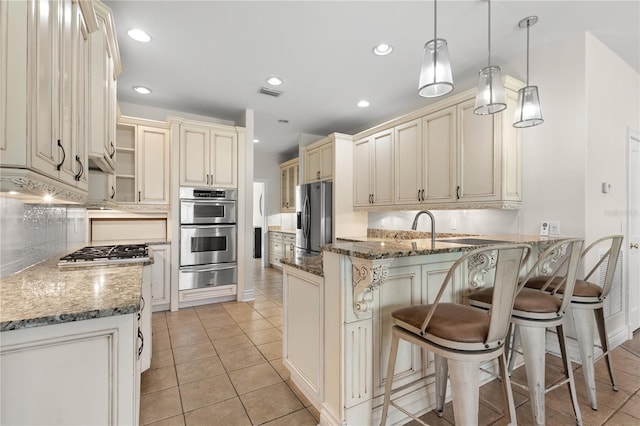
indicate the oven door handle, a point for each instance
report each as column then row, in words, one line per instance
column 222, row 225
column 208, row 268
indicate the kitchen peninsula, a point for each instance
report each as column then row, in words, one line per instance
column 338, row 319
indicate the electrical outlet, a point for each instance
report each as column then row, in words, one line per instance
column 554, row 227
column 544, row 228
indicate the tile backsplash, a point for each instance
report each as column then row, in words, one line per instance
column 30, row 233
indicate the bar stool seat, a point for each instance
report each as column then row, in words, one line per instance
column 533, row 311
column 460, row 337
column 586, row 297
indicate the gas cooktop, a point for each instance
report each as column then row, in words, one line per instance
column 105, row 255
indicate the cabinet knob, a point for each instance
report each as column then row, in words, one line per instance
column 633, row 246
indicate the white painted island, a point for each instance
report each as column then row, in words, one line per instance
column 337, row 325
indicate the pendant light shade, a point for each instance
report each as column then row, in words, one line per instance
column 528, row 112
column 435, row 74
column 490, row 96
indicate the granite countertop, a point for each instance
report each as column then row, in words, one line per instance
column 45, row 294
column 311, row 263
column 372, row 248
column 284, row 231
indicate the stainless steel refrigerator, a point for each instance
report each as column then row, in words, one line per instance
column 313, row 214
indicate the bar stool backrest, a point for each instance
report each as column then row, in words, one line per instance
column 501, row 264
column 611, row 256
column 560, row 260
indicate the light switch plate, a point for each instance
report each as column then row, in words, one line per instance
column 544, row 228
column 554, row 227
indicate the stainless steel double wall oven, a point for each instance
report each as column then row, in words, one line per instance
column 208, row 235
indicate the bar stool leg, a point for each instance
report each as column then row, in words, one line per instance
column 569, row 373
column 533, row 348
column 583, row 321
column 506, row 389
column 514, row 344
column 604, row 342
column 395, row 340
column 465, row 390
column 442, row 371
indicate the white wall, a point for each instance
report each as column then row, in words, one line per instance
column 613, row 105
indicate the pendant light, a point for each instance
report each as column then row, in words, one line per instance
column 435, row 74
column 528, row 111
column 490, row 97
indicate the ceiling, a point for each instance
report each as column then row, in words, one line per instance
column 211, row 57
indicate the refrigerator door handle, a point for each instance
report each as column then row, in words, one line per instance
column 307, row 217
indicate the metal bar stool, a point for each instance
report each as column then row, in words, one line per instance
column 462, row 337
column 588, row 297
column 533, row 311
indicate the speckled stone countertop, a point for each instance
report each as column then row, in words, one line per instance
column 311, row 263
column 46, row 294
column 372, row 248
column 284, row 231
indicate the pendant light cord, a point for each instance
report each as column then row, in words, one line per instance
column 435, row 40
column 489, row 32
column 435, row 19
column 528, row 26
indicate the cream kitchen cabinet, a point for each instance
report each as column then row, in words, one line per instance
column 288, row 182
column 208, row 155
column 444, row 157
column 143, row 165
column 105, row 68
column 425, row 155
column 373, row 170
column 276, row 249
column 318, row 161
column 160, row 277
column 45, row 97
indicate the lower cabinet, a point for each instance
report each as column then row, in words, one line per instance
column 87, row 373
column 304, row 330
column 161, row 277
column 281, row 245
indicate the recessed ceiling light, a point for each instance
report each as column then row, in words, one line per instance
column 363, row 104
column 139, row 35
column 274, row 81
column 256, row 140
column 142, row 90
column 382, row 49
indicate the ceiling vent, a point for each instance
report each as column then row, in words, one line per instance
column 270, row 92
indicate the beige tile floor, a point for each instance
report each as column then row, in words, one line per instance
column 221, row 364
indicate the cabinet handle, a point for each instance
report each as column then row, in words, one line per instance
column 64, row 156
column 318, row 175
column 139, row 199
column 113, row 150
column 418, row 195
column 423, row 195
column 113, row 192
column 141, row 337
column 633, row 246
column 458, row 192
column 81, row 172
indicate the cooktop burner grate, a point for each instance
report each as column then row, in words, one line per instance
column 106, row 254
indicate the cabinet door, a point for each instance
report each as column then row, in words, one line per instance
column 439, row 156
column 66, row 91
column 326, row 161
column 292, row 182
column 284, row 188
column 161, row 277
column 47, row 148
column 383, row 166
column 479, row 155
column 224, row 158
column 312, row 164
column 361, row 173
column 194, row 155
column 80, row 96
column 153, row 165
column 408, row 162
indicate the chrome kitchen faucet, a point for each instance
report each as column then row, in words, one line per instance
column 433, row 224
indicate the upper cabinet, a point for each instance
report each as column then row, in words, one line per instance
column 105, row 67
column 208, row 154
column 318, row 161
column 441, row 157
column 45, row 77
column 288, row 182
column 373, row 170
column 143, row 166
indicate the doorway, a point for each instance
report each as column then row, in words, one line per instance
column 633, row 228
column 260, row 219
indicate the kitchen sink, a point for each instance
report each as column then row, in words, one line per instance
column 470, row 241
